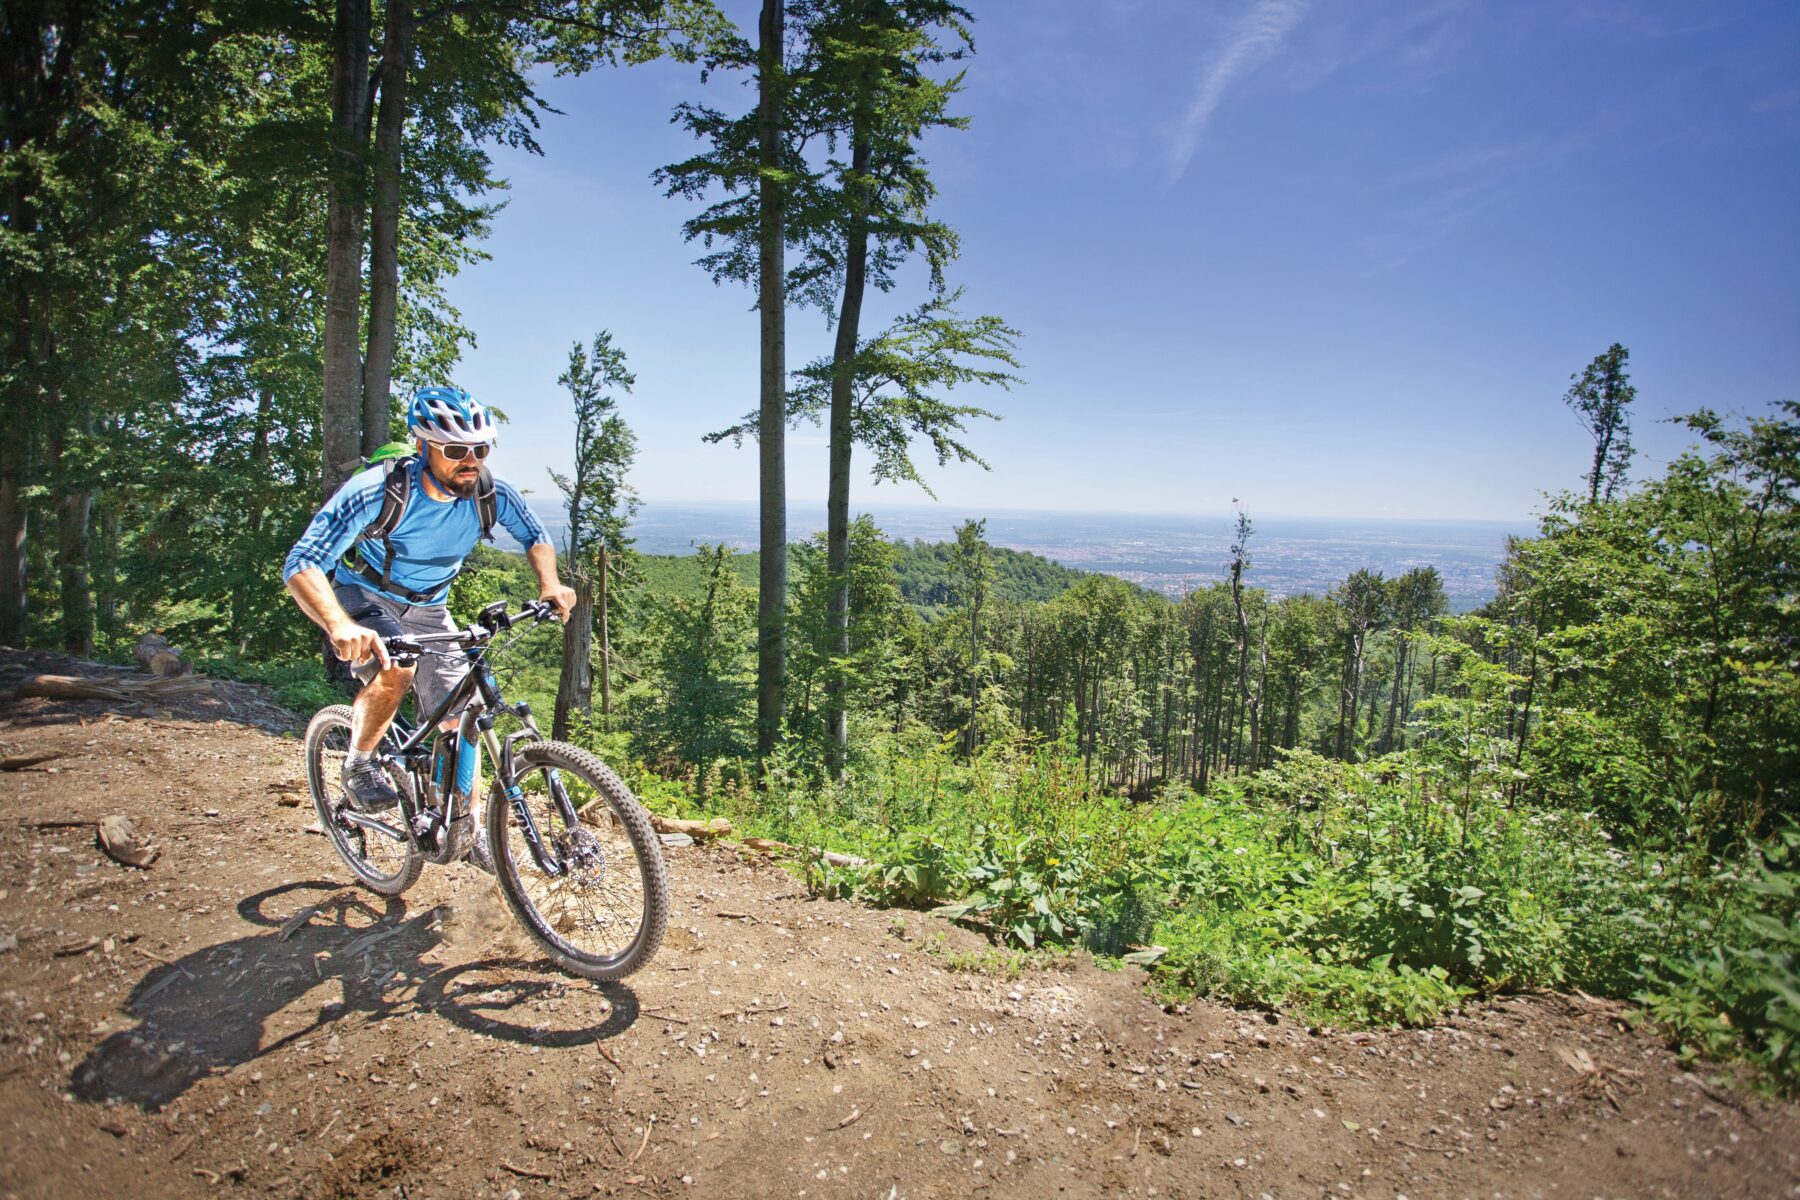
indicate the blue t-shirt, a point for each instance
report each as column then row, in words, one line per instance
column 430, row 542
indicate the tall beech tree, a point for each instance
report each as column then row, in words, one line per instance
column 1363, row 599
column 899, row 383
column 756, row 160
column 600, row 504
column 1599, row 395
column 870, row 90
column 972, row 568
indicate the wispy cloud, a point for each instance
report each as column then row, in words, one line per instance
column 1257, row 35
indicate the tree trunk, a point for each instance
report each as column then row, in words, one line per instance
column 18, row 423
column 15, row 463
column 341, row 409
column 600, row 615
column 1256, row 700
column 384, row 227
column 837, row 504
column 74, row 504
column 974, row 740
column 575, row 687
column 106, row 581
column 771, row 293
column 1387, row 734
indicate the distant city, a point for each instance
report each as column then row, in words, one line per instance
column 1170, row 554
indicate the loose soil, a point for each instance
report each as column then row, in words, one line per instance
column 168, row 1032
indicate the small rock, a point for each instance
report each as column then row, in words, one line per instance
column 950, row 1147
column 8, row 943
column 1235, row 1119
column 676, row 840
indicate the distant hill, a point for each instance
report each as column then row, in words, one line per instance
column 1019, row 576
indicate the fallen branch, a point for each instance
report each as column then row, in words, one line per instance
column 855, row 1116
column 524, row 1174
column 293, row 923
column 700, row 831
column 18, row 762
column 831, row 857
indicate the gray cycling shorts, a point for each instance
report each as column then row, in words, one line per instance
column 436, row 674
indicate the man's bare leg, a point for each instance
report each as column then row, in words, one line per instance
column 375, row 706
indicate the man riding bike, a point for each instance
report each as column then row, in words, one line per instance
column 398, row 585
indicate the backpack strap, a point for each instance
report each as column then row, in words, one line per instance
column 487, row 503
column 396, row 490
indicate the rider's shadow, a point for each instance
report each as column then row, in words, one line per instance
column 209, row 1011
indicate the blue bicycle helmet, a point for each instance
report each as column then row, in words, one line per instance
column 448, row 414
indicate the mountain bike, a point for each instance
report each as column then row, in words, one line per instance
column 571, row 847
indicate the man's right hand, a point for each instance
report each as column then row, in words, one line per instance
column 354, row 644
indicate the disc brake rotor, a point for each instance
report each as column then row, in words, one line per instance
column 582, row 857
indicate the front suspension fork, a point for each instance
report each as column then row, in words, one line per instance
column 506, row 788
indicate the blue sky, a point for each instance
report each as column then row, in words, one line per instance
column 1327, row 258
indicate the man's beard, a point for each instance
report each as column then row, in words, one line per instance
column 451, row 481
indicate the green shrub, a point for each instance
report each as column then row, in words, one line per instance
column 1736, row 986
column 299, row 685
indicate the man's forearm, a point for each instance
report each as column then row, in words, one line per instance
column 313, row 593
column 542, row 558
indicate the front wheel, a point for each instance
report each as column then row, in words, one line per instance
column 380, row 863
column 602, row 907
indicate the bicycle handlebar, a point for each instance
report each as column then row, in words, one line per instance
column 405, row 649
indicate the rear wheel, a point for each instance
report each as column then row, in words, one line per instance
column 379, row 862
column 601, row 913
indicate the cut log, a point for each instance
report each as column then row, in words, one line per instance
column 700, row 831
column 18, row 762
column 122, row 843
column 159, row 658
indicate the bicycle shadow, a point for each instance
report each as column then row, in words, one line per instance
column 211, row 1010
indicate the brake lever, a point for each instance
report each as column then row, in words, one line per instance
column 404, row 652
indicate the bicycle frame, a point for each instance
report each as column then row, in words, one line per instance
column 478, row 695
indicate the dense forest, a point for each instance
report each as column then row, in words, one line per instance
column 226, row 239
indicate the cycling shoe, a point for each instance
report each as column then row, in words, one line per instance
column 367, row 785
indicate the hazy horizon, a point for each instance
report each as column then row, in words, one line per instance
column 1169, row 553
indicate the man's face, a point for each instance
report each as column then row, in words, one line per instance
column 460, row 477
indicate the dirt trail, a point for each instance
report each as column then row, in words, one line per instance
column 160, row 1035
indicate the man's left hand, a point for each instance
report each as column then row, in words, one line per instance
column 562, row 597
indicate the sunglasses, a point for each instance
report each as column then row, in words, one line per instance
column 457, row 451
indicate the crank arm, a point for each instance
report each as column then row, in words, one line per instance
column 362, row 821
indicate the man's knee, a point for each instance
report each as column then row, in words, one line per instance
column 393, row 679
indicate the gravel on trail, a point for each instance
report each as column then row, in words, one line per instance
column 236, row 1019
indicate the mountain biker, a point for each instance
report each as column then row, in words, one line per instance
column 398, row 585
